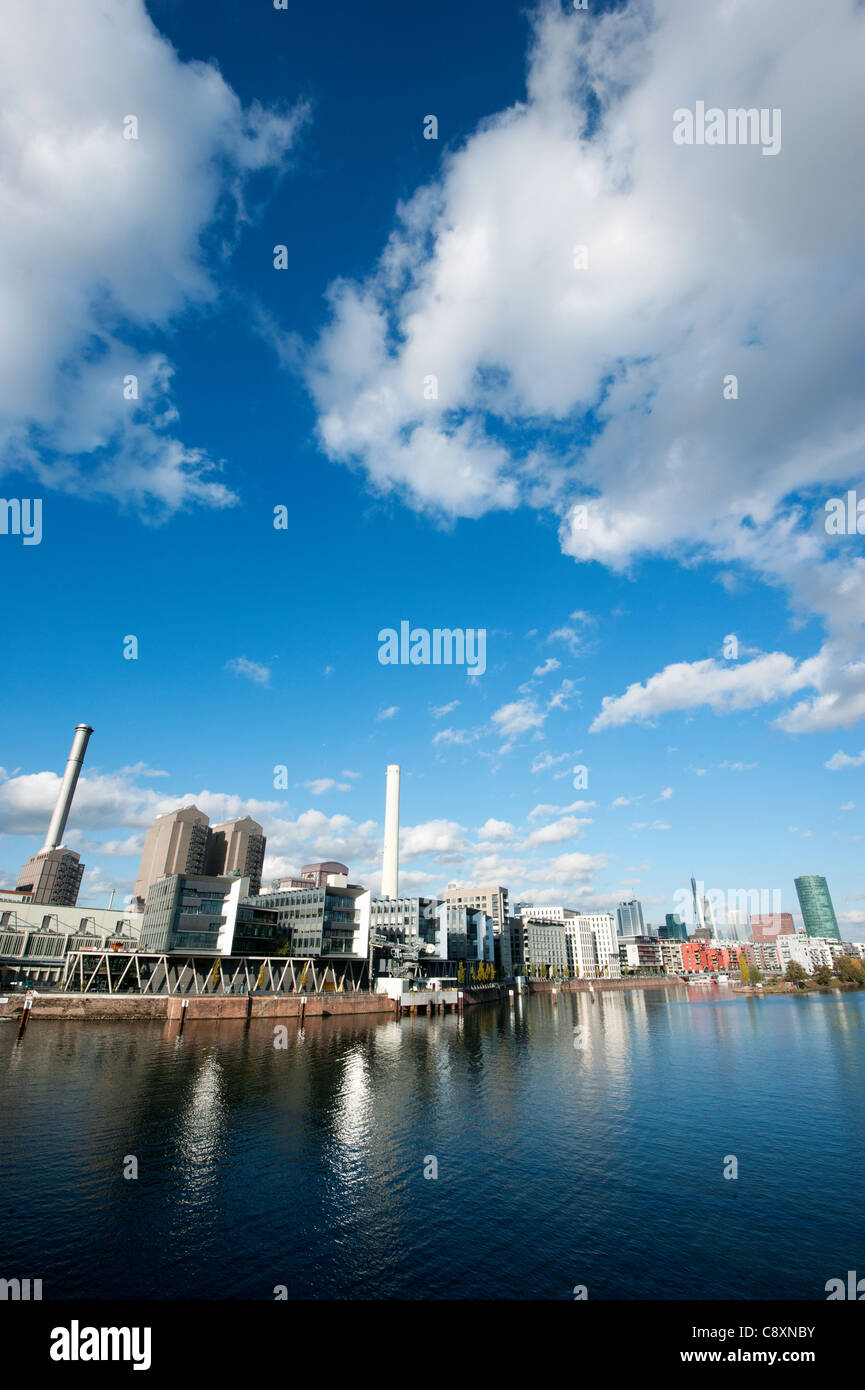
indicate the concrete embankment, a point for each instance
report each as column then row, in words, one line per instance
column 101, row 1008
column 104, row 1007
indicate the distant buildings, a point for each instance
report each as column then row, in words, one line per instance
column 816, row 904
column 674, row 928
column 490, row 898
column 629, row 919
column 768, row 926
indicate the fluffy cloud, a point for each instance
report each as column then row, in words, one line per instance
column 568, row 828
column 721, row 686
column 496, row 830
column 702, row 262
column 104, row 236
column 840, row 759
column 517, row 718
column 434, row 836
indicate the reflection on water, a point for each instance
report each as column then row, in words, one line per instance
column 303, row 1164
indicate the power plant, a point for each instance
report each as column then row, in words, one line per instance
column 54, row 875
column 390, row 857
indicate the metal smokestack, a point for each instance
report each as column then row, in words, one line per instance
column 67, row 787
column 390, row 860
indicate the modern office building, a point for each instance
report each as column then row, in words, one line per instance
column 410, row 922
column 768, row 926
column 674, row 928
column 466, row 933
column 191, row 913
column 492, row 899
column 629, row 919
column 816, row 904
column 176, row 843
column 327, row 921
column 236, row 848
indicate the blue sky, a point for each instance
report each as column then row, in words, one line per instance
column 304, row 387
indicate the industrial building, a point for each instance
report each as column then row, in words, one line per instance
column 53, row 876
column 184, row 842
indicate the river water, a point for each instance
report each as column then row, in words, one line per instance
column 309, row 1166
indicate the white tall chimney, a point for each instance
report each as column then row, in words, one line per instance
column 67, row 787
column 390, row 860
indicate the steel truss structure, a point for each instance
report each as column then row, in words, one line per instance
column 139, row 972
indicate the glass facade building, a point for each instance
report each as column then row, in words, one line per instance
column 629, row 919
column 816, row 904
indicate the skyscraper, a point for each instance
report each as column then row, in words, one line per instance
column 629, row 919
column 816, row 904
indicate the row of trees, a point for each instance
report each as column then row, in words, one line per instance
column 483, row 973
column 845, row 968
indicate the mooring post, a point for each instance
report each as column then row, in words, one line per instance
column 460, row 1000
column 184, row 1005
column 25, row 1015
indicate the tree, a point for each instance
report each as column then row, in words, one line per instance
column 823, row 975
column 461, row 973
column 850, row 969
column 795, row 972
column 756, row 974
column 744, row 971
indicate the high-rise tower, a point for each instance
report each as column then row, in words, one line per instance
column 816, row 904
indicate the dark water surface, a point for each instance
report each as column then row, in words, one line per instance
column 557, row 1165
